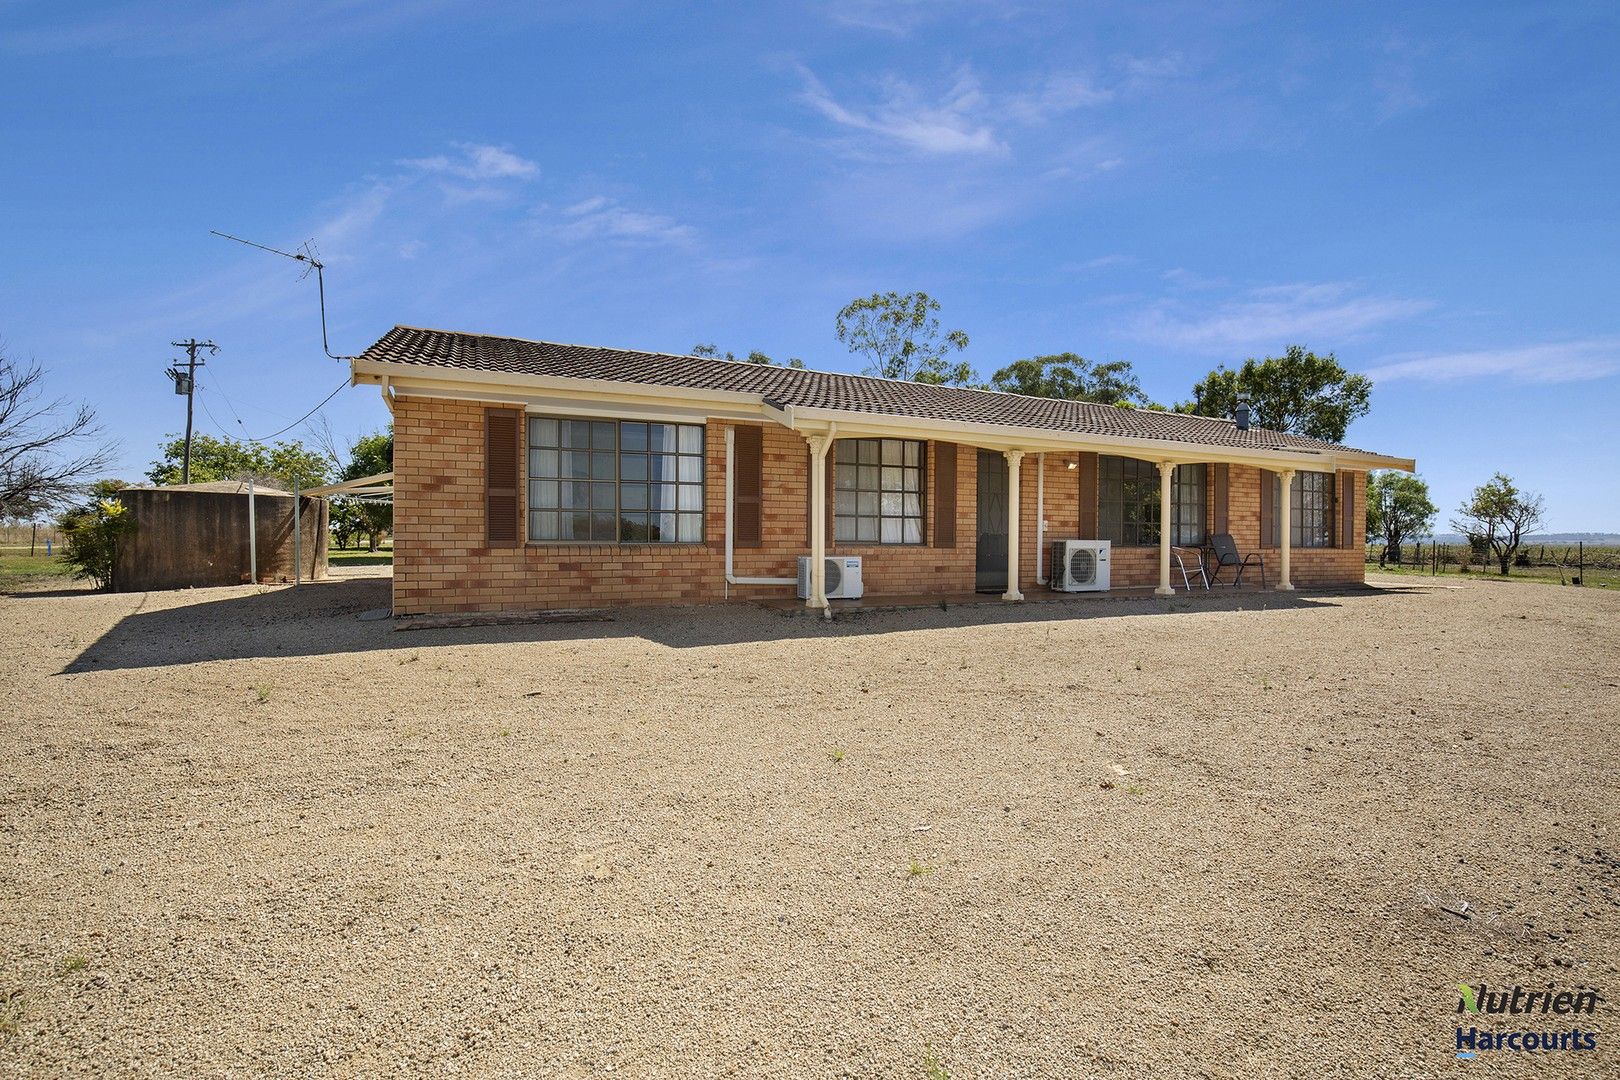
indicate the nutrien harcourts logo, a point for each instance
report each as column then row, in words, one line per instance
column 1516, row 1002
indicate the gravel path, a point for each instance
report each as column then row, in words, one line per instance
column 243, row 833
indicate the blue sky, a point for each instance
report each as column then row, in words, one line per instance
column 1428, row 191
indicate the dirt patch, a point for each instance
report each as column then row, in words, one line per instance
column 244, row 832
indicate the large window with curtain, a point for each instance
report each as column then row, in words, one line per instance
column 613, row 481
column 1128, row 502
column 878, row 486
column 1311, row 504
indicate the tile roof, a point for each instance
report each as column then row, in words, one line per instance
column 782, row 386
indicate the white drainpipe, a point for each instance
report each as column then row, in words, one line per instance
column 731, row 578
column 1040, row 519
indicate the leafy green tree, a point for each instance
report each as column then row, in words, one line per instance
column 91, row 534
column 1072, row 378
column 214, row 459
column 900, row 337
column 370, row 455
column 1299, row 393
column 344, row 521
column 1398, row 506
column 1497, row 517
column 754, row 356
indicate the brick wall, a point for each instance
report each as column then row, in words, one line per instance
column 441, row 563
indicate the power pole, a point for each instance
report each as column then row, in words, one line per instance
column 185, row 382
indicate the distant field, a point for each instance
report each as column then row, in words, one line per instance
column 1549, row 564
column 17, row 566
column 349, row 557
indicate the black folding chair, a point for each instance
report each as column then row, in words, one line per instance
column 1226, row 554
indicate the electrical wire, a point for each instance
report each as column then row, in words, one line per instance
column 307, row 257
column 306, row 416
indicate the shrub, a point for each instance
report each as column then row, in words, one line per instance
column 90, row 539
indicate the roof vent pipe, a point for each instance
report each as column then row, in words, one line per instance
column 1242, row 416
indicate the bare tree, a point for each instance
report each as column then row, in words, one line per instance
column 48, row 448
column 1497, row 517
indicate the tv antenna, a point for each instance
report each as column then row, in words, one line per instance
column 306, row 255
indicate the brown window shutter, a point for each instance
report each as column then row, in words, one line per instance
column 1221, row 498
column 944, row 495
column 501, row 433
column 746, row 484
column 1087, row 524
column 1268, row 508
column 1347, row 509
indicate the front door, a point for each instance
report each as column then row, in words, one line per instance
column 991, row 565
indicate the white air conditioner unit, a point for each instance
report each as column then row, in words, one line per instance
column 843, row 578
column 1080, row 565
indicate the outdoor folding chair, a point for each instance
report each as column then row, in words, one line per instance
column 1180, row 554
column 1226, row 554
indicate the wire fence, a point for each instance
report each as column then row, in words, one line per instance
column 1434, row 555
column 28, row 537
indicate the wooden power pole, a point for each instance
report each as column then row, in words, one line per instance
column 185, row 382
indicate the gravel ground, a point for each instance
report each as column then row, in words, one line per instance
column 243, row 833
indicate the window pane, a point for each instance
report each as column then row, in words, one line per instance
column 542, row 432
column 911, row 480
column 691, row 439
column 844, row 479
column 891, row 478
column 866, row 503
column 543, row 494
column 543, row 463
column 868, row 478
column 844, row 451
column 633, row 467
column 691, row 470
column 913, row 506
column 666, row 526
column 546, row 528
column 604, row 435
column 891, row 505
column 913, row 453
column 913, row 531
column 691, row 497
column 604, row 526
column 843, row 529
column 575, row 463
column 602, row 466
column 891, row 531
column 893, row 452
column 661, row 497
column 574, row 527
column 632, row 437
column 633, row 528
column 577, row 434
column 866, row 530
column 603, row 496
column 661, row 437
column 868, row 449
column 691, row 528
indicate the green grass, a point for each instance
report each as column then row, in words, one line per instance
column 18, row 567
column 362, row 557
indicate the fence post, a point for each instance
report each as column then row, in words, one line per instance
column 1581, row 554
column 298, row 536
column 253, row 540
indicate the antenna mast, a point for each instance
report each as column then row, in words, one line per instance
column 307, row 257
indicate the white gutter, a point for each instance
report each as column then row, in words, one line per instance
column 731, row 578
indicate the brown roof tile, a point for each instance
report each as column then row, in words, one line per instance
column 782, row 386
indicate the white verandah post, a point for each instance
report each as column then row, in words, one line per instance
column 817, row 600
column 1167, row 476
column 1014, row 459
column 1285, row 540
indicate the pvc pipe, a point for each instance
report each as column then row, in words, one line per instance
column 1040, row 519
column 731, row 490
column 298, row 537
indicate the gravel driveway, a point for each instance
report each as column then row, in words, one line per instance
column 243, row 833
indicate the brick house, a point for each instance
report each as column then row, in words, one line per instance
column 535, row 475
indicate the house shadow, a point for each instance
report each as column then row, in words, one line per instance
column 322, row 619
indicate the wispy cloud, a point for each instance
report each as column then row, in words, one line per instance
column 949, row 125
column 477, row 161
column 603, row 218
column 1555, row 362
column 1270, row 317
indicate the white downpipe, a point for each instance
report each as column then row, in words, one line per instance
column 731, row 490
column 1040, row 519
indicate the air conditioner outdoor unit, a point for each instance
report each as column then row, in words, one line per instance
column 843, row 578
column 1080, row 565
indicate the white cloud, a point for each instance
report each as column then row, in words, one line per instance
column 1556, row 362
column 947, row 126
column 602, row 218
column 1271, row 317
column 1058, row 95
column 478, row 162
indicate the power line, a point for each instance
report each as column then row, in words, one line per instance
column 306, row 416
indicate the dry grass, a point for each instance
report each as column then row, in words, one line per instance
column 1091, row 840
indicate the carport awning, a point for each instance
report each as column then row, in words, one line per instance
column 380, row 485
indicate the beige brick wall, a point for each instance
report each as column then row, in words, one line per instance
column 441, row 563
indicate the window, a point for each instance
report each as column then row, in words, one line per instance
column 1311, row 502
column 615, row 481
column 879, row 485
column 1128, row 502
column 1188, row 499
